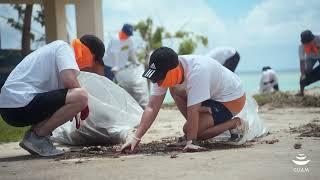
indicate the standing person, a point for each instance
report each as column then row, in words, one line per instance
column 268, row 81
column 120, row 51
column 206, row 93
column 43, row 92
column 309, row 54
column 227, row 56
column 121, row 56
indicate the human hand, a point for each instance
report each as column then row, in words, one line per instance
column 131, row 144
column 84, row 113
column 77, row 117
column 193, row 148
column 115, row 69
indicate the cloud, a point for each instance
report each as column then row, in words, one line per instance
column 280, row 22
column 267, row 35
column 269, row 31
column 173, row 15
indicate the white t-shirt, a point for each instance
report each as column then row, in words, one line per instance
column 221, row 54
column 38, row 72
column 302, row 54
column 205, row 78
column 268, row 80
column 119, row 53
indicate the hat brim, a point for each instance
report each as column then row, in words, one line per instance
column 153, row 74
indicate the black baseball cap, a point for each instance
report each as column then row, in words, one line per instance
column 306, row 36
column 162, row 60
column 95, row 45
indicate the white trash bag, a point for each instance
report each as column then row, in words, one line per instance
column 249, row 114
column 113, row 114
column 130, row 78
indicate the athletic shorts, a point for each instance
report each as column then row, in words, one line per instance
column 42, row 106
column 220, row 113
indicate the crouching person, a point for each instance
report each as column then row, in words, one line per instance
column 207, row 94
column 43, row 91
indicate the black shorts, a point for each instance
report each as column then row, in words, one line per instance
column 311, row 77
column 220, row 113
column 41, row 107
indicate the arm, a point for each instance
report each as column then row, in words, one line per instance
column 261, row 89
column 132, row 54
column 302, row 57
column 275, row 78
column 192, row 128
column 180, row 101
column 69, row 79
column 302, row 66
column 149, row 115
column 193, row 121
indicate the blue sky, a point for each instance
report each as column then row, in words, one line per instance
column 265, row 32
column 231, row 10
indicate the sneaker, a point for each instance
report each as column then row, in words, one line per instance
column 21, row 144
column 42, row 146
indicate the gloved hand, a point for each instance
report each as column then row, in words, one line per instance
column 115, row 69
column 84, row 113
column 193, row 148
column 131, row 144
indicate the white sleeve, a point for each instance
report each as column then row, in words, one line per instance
column 155, row 90
column 132, row 54
column 107, row 58
column 261, row 83
column 302, row 54
column 274, row 78
column 198, row 87
column 65, row 58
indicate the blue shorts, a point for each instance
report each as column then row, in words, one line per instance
column 220, row 113
column 108, row 73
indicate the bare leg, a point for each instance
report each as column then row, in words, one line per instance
column 76, row 100
column 301, row 90
column 207, row 129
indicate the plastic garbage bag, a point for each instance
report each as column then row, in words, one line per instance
column 113, row 114
column 256, row 124
column 130, row 78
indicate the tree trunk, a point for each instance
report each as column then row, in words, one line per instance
column 26, row 35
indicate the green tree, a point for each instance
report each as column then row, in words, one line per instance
column 154, row 36
column 23, row 24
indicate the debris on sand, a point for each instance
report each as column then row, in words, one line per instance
column 175, row 155
column 309, row 130
column 297, row 145
column 163, row 147
column 272, row 141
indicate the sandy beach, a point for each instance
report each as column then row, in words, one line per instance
column 267, row 158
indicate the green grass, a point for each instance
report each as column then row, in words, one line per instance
column 281, row 99
column 9, row 133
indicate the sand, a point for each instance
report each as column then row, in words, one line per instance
column 267, row 158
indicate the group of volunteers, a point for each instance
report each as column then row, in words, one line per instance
column 43, row 91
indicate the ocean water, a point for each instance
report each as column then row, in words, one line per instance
column 288, row 81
